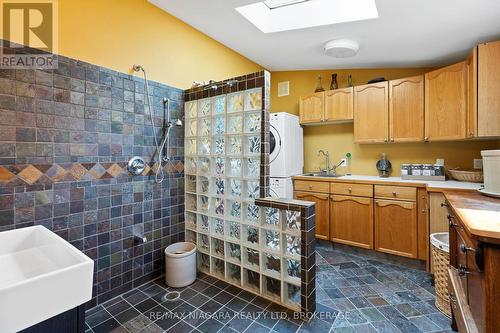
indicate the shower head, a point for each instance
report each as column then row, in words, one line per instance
column 231, row 82
column 138, row 68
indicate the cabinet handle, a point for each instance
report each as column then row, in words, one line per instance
column 464, row 248
column 453, row 301
column 471, row 135
column 349, row 189
column 310, row 187
column 462, row 270
column 394, row 193
column 392, row 140
column 444, row 204
column 385, row 140
column 450, row 220
column 426, row 139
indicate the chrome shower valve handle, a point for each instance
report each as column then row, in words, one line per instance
column 136, row 165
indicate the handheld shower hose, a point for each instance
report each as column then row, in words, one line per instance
column 159, row 173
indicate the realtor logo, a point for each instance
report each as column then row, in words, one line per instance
column 29, row 34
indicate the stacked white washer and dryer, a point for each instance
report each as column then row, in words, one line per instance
column 286, row 153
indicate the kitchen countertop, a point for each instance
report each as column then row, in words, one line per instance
column 479, row 214
column 431, row 186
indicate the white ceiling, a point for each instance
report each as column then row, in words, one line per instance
column 408, row 33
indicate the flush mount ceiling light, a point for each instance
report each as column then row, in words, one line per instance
column 341, row 48
column 282, row 15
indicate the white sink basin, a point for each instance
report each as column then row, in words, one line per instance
column 41, row 276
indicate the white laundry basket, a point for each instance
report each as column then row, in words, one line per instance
column 180, row 264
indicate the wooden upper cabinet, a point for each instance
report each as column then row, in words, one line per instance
column 446, row 103
column 312, row 108
column 339, row 104
column 406, row 109
column 488, row 90
column 371, row 113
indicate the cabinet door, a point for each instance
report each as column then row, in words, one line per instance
column 438, row 213
column 488, row 93
column 396, row 227
column 371, row 113
column 339, row 104
column 322, row 218
column 406, row 109
column 312, row 108
column 446, row 103
column 351, row 220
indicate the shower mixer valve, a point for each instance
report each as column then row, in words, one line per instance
column 136, row 165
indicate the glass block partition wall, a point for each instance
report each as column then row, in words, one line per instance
column 248, row 243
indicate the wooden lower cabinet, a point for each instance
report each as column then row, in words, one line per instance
column 396, row 227
column 351, row 220
column 322, row 212
column 474, row 271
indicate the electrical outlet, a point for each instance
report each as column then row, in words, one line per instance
column 478, row 163
column 440, row 161
column 344, row 162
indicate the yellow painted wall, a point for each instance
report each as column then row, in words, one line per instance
column 339, row 139
column 119, row 33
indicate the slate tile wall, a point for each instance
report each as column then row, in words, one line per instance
column 65, row 137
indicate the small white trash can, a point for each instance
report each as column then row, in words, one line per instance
column 180, row 264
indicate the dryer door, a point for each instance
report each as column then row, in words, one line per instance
column 274, row 144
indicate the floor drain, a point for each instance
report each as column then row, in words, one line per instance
column 171, row 296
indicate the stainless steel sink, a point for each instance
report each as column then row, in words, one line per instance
column 321, row 174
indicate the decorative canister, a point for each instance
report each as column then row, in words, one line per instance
column 438, row 170
column 416, row 169
column 405, row 169
column 427, row 170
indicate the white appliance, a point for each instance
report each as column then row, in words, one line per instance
column 281, row 188
column 286, row 156
column 491, row 165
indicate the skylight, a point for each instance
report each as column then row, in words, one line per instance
column 282, row 15
column 273, row 4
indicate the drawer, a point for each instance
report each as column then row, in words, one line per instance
column 360, row 190
column 311, row 186
column 458, row 302
column 396, row 192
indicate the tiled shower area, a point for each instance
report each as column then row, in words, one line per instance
column 65, row 138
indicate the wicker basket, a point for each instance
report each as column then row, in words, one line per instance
column 475, row 176
column 440, row 260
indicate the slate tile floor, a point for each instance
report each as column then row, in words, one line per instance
column 355, row 293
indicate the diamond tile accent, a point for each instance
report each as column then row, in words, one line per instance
column 77, row 171
column 115, row 170
column 170, row 167
column 30, row 174
column 56, row 173
column 147, row 170
column 6, row 176
column 97, row 171
column 179, row 167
